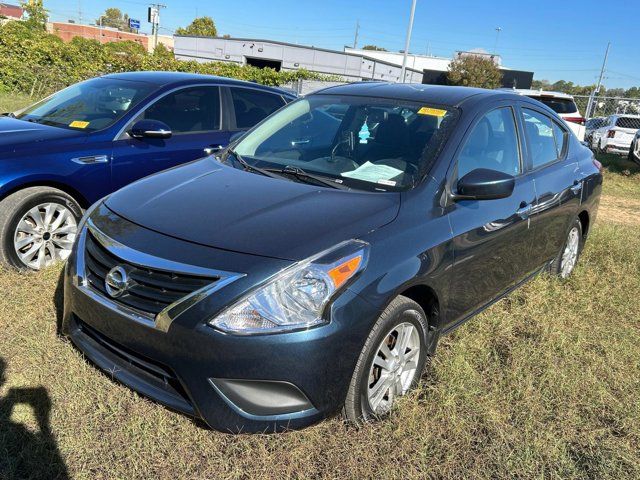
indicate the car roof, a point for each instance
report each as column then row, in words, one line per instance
column 182, row 78
column 539, row 93
column 416, row 92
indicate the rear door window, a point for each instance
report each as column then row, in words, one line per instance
column 252, row 106
column 560, row 136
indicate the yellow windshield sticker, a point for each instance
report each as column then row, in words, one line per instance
column 79, row 124
column 436, row 112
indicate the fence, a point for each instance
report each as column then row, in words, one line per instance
column 605, row 106
column 304, row 87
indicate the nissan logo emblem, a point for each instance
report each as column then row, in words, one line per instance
column 116, row 281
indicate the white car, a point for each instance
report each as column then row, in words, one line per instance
column 561, row 103
column 616, row 135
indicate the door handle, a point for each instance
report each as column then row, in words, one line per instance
column 524, row 211
column 577, row 186
column 300, row 142
column 90, row 159
column 211, row 149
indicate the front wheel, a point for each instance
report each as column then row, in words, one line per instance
column 38, row 226
column 564, row 264
column 391, row 362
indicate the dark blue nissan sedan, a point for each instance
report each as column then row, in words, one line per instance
column 62, row 154
column 314, row 265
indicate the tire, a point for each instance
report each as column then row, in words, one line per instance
column 402, row 315
column 632, row 157
column 559, row 266
column 52, row 242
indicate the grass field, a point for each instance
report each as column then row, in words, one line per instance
column 544, row 384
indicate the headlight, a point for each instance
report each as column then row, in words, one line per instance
column 296, row 297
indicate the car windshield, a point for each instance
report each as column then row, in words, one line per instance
column 558, row 105
column 359, row 142
column 88, row 106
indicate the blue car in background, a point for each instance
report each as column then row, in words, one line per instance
column 62, row 154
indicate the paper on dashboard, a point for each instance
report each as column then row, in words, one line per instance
column 370, row 172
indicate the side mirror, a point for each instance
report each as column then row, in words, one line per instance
column 484, row 184
column 150, row 129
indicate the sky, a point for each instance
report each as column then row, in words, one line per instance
column 557, row 40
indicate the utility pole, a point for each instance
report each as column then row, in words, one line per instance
column 154, row 18
column 408, row 41
column 355, row 38
column 587, row 114
column 80, row 12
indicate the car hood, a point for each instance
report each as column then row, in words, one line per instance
column 219, row 206
column 16, row 134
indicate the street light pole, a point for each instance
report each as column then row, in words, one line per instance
column 408, row 41
column 495, row 46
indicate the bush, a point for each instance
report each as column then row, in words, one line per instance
column 38, row 63
column 474, row 71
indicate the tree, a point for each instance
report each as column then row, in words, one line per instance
column 474, row 71
column 36, row 13
column 375, row 48
column 113, row 17
column 200, row 27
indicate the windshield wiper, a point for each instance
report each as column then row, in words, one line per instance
column 9, row 114
column 300, row 174
column 250, row 168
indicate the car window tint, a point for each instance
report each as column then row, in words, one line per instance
column 560, row 137
column 492, row 144
column 542, row 144
column 189, row 110
column 558, row 105
column 251, row 106
column 628, row 122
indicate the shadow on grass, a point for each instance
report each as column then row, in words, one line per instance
column 25, row 454
column 619, row 164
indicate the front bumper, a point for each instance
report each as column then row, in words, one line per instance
column 234, row 383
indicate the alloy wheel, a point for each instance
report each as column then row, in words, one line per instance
column 570, row 253
column 394, row 367
column 45, row 235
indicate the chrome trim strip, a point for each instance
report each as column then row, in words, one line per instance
column 163, row 320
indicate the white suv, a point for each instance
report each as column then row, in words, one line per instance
column 616, row 134
column 561, row 103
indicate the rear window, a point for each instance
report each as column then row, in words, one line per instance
column 558, row 105
column 628, row 122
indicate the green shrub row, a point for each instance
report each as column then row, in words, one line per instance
column 38, row 63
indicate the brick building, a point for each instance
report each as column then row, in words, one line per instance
column 66, row 31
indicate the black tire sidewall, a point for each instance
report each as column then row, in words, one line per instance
column 17, row 214
column 406, row 311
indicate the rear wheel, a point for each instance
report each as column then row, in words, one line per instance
column 564, row 264
column 634, row 152
column 390, row 363
column 38, row 226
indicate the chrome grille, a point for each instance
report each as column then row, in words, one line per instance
column 150, row 290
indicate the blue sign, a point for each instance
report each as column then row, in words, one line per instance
column 134, row 24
